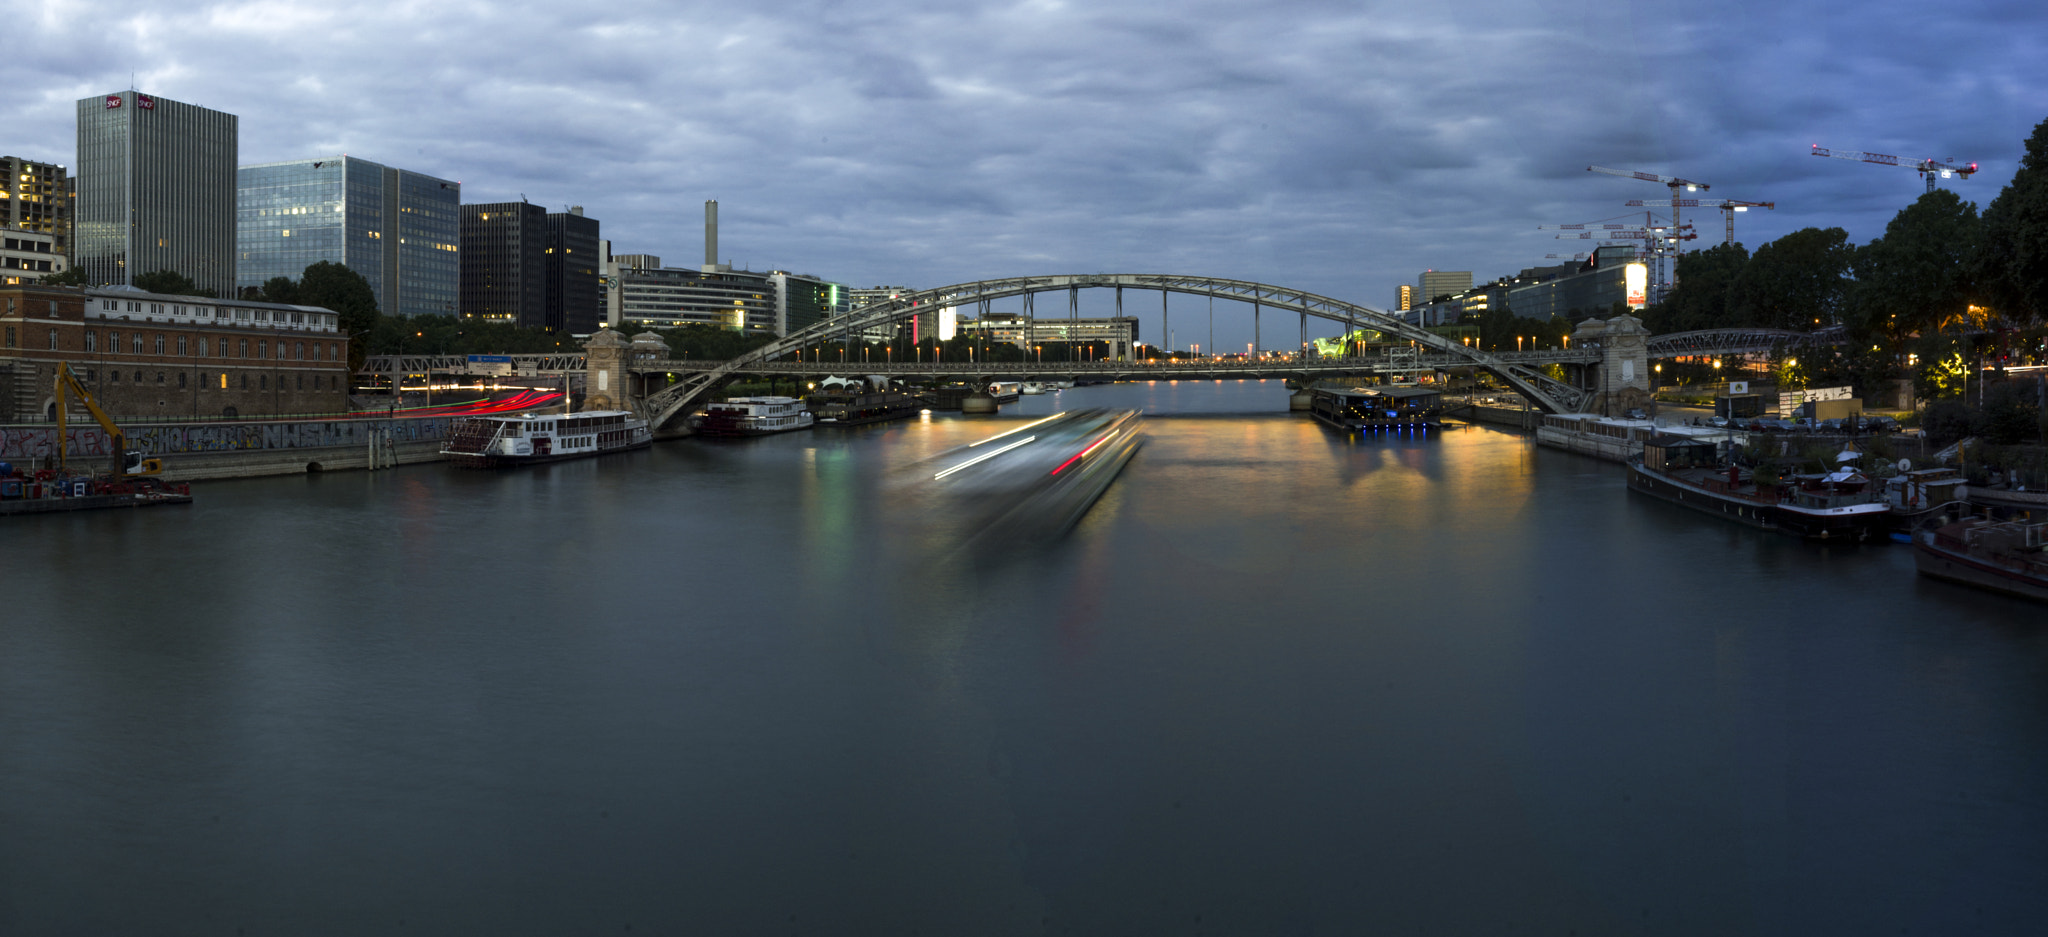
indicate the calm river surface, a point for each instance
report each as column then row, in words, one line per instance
column 1278, row 681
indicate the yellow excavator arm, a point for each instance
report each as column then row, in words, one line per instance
column 126, row 461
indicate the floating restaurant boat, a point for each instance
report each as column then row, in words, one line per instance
column 1378, row 409
column 2003, row 557
column 527, row 438
column 753, row 416
column 1039, row 479
column 1685, row 471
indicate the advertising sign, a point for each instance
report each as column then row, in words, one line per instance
column 1790, row 400
column 490, row 364
column 145, row 102
column 113, row 101
column 1637, row 276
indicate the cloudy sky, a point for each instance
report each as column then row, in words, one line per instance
column 1335, row 147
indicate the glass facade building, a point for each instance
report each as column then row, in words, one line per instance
column 802, row 300
column 400, row 230
column 156, row 190
column 504, row 263
column 576, row 298
column 667, row 297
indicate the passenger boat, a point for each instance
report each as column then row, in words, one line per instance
column 528, row 438
column 1031, row 388
column 753, row 416
column 1686, row 471
column 1378, row 409
column 1039, row 479
column 2003, row 557
column 1005, row 391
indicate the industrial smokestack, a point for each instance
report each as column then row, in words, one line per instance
column 710, row 235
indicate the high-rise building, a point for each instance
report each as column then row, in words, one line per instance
column 504, row 263
column 36, row 197
column 667, row 297
column 156, row 190
column 575, row 296
column 1404, row 300
column 1439, row 283
column 802, row 300
column 400, row 229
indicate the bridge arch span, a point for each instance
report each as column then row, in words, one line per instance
column 1545, row 392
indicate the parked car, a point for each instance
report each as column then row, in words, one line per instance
column 1828, row 426
column 1719, row 422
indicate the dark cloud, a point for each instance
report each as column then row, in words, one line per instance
column 1338, row 147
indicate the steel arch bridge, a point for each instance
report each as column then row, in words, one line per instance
column 1546, row 392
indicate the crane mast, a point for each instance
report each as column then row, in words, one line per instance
column 1673, row 183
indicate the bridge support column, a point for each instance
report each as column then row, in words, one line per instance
column 604, row 364
column 1624, row 370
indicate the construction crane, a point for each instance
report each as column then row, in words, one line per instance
column 1672, row 182
column 126, row 461
column 1927, row 168
column 1728, row 207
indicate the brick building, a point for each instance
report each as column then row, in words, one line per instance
column 152, row 355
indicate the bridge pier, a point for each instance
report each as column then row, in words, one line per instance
column 1622, row 375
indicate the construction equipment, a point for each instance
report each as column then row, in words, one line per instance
column 1728, row 207
column 1927, row 168
column 1671, row 182
column 127, row 462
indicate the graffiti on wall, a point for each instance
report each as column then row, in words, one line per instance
column 40, row 442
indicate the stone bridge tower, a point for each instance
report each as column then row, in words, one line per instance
column 604, row 372
column 1623, row 375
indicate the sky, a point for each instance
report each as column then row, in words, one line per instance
column 1340, row 148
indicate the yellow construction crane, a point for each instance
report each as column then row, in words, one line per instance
column 126, row 461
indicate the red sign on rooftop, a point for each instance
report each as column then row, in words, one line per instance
column 113, row 101
column 145, row 102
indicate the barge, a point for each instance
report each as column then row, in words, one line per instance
column 527, row 439
column 855, row 408
column 45, row 491
column 1685, row 471
column 2003, row 557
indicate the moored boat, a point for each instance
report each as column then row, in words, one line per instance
column 1686, row 471
column 753, row 416
column 2003, row 557
column 528, row 438
column 853, row 408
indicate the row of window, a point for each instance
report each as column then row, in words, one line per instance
column 320, row 381
column 219, row 312
column 327, row 351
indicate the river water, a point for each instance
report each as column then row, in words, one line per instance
column 1278, row 681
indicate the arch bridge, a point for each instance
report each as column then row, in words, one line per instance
column 1524, row 376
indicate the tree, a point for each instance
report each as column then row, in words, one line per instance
column 1699, row 300
column 334, row 286
column 279, row 290
column 1795, row 282
column 2012, row 267
column 169, row 283
column 72, row 277
column 1916, row 279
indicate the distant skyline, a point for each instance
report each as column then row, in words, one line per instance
column 1335, row 147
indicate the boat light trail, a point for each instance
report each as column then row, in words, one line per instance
column 1078, row 455
column 1018, row 429
column 983, row 457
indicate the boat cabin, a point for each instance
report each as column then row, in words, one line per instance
column 1669, row 453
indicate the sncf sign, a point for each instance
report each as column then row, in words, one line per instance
column 143, row 101
column 113, row 101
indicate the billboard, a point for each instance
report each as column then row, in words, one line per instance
column 1637, row 276
column 490, row 364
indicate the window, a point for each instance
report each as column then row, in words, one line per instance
column 92, row 340
column 302, row 382
column 159, row 344
column 138, row 377
column 242, row 346
column 262, row 349
column 181, row 380
column 263, row 382
column 245, row 381
column 10, row 336
column 159, row 377
column 114, row 376
column 223, row 380
column 138, row 343
column 298, row 351
column 114, row 342
column 53, row 339
column 181, row 345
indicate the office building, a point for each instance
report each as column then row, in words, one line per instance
column 36, row 198
column 575, row 293
column 1119, row 332
column 1577, row 291
column 504, row 251
column 802, row 300
column 400, row 230
column 156, row 190
column 668, row 297
column 1436, row 284
column 1404, row 298
column 28, row 256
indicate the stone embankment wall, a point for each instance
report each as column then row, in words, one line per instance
column 232, row 450
column 1504, row 416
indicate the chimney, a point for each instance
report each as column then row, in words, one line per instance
column 710, row 236
column 576, row 210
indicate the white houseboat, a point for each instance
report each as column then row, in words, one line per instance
column 520, row 439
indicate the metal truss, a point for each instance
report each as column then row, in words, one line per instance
column 388, row 365
column 1735, row 341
